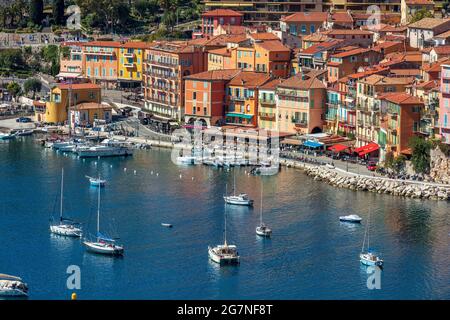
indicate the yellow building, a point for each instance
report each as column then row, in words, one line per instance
column 56, row 110
column 131, row 56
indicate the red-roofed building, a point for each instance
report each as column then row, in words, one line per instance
column 410, row 7
column 400, row 120
column 220, row 17
column 444, row 106
column 362, row 38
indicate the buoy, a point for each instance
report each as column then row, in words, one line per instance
column 124, row 169
column 98, row 157
column 245, row 171
column 180, row 176
column 134, row 172
column 110, row 166
column 151, row 172
column 95, row 162
column 192, row 178
column 157, row 174
column 74, row 296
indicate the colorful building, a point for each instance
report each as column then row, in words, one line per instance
column 268, row 111
column 243, row 96
column 220, row 17
column 166, row 64
column 100, row 62
column 64, row 97
column 131, row 60
column 205, row 95
column 301, row 103
column 444, row 106
column 88, row 113
column 400, row 120
column 410, row 7
column 71, row 65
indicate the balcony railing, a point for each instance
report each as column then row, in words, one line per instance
column 172, row 76
column 267, row 102
column 300, row 123
column 129, row 65
column 266, row 117
column 162, row 63
column 129, row 55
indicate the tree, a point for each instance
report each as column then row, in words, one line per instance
column 422, row 13
column 33, row 85
column 37, row 11
column 420, row 154
column 14, row 88
column 58, row 12
column 11, row 59
column 399, row 163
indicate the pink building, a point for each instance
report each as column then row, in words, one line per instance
column 444, row 107
column 71, row 63
column 214, row 18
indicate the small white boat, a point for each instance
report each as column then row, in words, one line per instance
column 103, row 151
column 262, row 230
column 167, row 225
column 7, row 136
column 65, row 227
column 351, row 218
column 267, row 170
column 24, row 132
column 330, row 166
column 224, row 254
column 103, row 244
column 96, row 182
column 370, row 259
column 185, row 160
column 11, row 286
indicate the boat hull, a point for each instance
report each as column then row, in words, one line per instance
column 66, row 230
column 238, row 202
column 96, row 247
column 222, row 260
column 104, row 153
column 263, row 232
column 369, row 262
column 12, row 293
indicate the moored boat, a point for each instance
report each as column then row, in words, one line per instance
column 103, row 151
column 262, row 230
column 369, row 258
column 96, row 182
column 354, row 218
column 11, row 286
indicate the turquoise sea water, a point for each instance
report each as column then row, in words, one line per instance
column 310, row 256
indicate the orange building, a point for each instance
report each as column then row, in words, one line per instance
column 100, row 62
column 400, row 122
column 205, row 96
column 166, row 64
column 242, row 100
column 220, row 59
column 272, row 57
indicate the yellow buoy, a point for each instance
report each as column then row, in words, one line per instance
column 74, row 296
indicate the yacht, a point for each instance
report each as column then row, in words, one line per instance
column 185, row 160
column 7, row 136
column 103, row 151
column 267, row 169
column 11, row 286
column 65, row 226
column 241, row 199
column 369, row 258
column 262, row 230
column 351, row 218
column 225, row 253
column 24, row 132
column 103, row 244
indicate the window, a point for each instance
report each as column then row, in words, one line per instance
column 232, row 20
column 312, row 28
column 194, row 95
column 293, row 29
column 205, row 85
column 89, row 71
column 303, row 28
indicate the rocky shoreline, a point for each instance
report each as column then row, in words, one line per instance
column 373, row 184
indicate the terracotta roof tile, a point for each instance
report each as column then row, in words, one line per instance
column 429, row 23
column 306, row 17
column 222, row 13
column 212, row 75
column 78, row 86
column 250, row 79
column 401, row 98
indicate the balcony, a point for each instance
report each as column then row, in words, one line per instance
column 98, row 52
column 266, row 116
column 300, row 123
column 267, row 103
column 171, row 76
column 360, row 123
column 330, row 116
column 236, row 98
column 162, row 63
column 129, row 65
column 129, row 55
column 362, row 108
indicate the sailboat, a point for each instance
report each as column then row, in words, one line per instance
column 369, row 258
column 241, row 199
column 226, row 253
column 96, row 182
column 102, row 243
column 262, row 230
column 65, row 227
column 11, row 286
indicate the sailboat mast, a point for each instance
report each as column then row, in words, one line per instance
column 98, row 213
column 225, row 227
column 234, row 182
column 368, row 232
column 62, row 197
column 261, row 203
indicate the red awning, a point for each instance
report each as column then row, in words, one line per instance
column 338, row 148
column 371, row 147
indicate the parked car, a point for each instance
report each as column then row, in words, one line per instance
column 23, row 119
column 371, row 166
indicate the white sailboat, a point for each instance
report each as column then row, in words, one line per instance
column 226, row 253
column 65, row 226
column 369, row 258
column 241, row 199
column 11, row 286
column 103, row 244
column 96, row 182
column 262, row 230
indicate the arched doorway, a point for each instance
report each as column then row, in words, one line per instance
column 316, row 130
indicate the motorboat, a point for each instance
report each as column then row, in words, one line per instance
column 167, row 225
column 103, row 151
column 11, row 286
column 65, row 226
column 96, row 182
column 354, row 218
column 102, row 243
column 330, row 166
column 24, row 132
column 185, row 160
column 7, row 136
column 267, row 170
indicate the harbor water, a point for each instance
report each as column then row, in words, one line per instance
column 311, row 255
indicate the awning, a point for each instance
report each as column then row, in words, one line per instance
column 239, row 115
column 371, row 147
column 312, row 144
column 68, row 75
column 338, row 148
